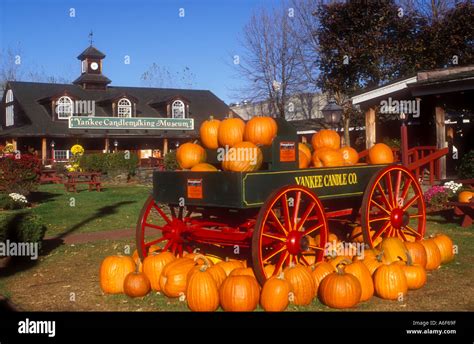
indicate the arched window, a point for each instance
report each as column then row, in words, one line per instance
column 124, row 108
column 9, row 112
column 64, row 107
column 177, row 109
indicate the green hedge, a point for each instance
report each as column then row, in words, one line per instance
column 109, row 162
column 466, row 167
column 21, row 226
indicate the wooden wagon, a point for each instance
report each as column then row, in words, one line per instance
column 278, row 215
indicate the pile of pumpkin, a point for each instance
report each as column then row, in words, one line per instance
column 387, row 271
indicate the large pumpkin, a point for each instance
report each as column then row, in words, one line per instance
column 414, row 273
column 417, row 253
column 260, row 130
column 392, row 249
column 203, row 167
column 321, row 270
column 153, row 266
column 173, row 278
column 231, row 132
column 362, row 273
column 242, row 272
column 202, row 294
column 218, row 274
column 445, row 246
column 373, row 263
column 380, row 153
column 390, row 282
column 209, row 131
column 302, row 282
column 433, row 255
column 243, row 157
column 328, row 157
column 136, row 284
column 113, row 271
column 275, row 294
column 190, row 154
column 340, row 290
column 349, row 155
column 326, row 138
column 239, row 294
column 465, row 196
column 229, row 265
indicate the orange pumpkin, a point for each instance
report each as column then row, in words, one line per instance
column 190, row 154
column 392, row 249
column 275, row 294
column 321, row 270
column 202, row 294
column 303, row 159
column 153, row 265
column 302, row 282
column 340, row 290
column 243, row 157
column 305, row 149
column 349, row 155
column 231, row 132
column 218, row 274
column 328, row 157
column 113, row 271
column 362, row 273
column 173, row 278
column 417, row 253
column 208, row 132
column 414, row 273
column 380, row 153
column 390, row 282
column 229, row 265
column 433, row 255
column 239, row 294
column 260, row 130
column 326, row 138
column 445, row 246
column 136, row 284
column 242, row 272
column 465, row 196
column 269, row 269
column 203, row 167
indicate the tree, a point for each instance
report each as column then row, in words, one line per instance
column 160, row 76
column 269, row 60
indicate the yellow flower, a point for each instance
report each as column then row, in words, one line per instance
column 77, row 150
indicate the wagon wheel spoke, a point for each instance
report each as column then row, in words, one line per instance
column 314, row 247
column 380, row 207
column 397, row 187
column 410, row 202
column 274, row 236
column 281, row 261
column 277, row 220
column 381, row 231
column 402, row 235
column 150, row 225
column 306, row 213
column 312, row 229
column 384, row 197
column 385, row 218
column 388, row 181
column 296, row 208
column 162, row 213
column 274, row 253
column 154, row 242
column 286, row 212
column 303, row 260
column 412, row 232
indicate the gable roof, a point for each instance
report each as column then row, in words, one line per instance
column 91, row 51
column 39, row 122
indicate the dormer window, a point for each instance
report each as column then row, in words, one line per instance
column 64, row 107
column 124, row 108
column 84, row 66
column 178, row 109
column 9, row 112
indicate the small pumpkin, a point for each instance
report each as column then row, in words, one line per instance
column 373, row 263
column 190, row 154
column 303, row 284
column 414, row 273
column 417, row 253
column 231, row 132
column 153, row 265
column 321, row 270
column 202, row 294
column 243, row 157
column 203, row 167
column 363, row 275
column 380, row 153
column 326, row 138
column 228, row 265
column 349, row 155
column 113, row 271
column 465, row 196
column 393, row 248
column 208, row 131
column 433, row 255
column 275, row 294
column 260, row 130
column 390, row 282
column 239, row 294
column 340, row 290
column 136, row 284
column 173, row 279
column 445, row 246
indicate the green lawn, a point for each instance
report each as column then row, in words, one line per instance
column 116, row 207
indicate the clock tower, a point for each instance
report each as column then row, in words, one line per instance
column 91, row 70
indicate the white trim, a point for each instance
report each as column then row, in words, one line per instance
column 66, row 106
column 304, row 132
column 383, row 90
column 9, row 97
column 178, row 105
column 9, row 116
column 124, row 108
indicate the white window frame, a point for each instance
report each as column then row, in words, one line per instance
column 178, row 105
column 9, row 110
column 84, row 66
column 63, row 109
column 9, row 97
column 124, row 108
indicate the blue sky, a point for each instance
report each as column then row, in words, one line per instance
column 205, row 39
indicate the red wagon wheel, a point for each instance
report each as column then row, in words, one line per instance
column 393, row 206
column 291, row 227
column 163, row 226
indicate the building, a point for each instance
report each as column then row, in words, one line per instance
column 50, row 118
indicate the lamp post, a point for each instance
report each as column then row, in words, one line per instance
column 115, row 144
column 52, row 144
column 332, row 113
column 404, row 139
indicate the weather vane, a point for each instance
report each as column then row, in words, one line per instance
column 91, row 34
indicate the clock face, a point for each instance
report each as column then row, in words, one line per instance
column 94, row 66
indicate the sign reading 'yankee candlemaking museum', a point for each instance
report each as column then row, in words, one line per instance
column 82, row 122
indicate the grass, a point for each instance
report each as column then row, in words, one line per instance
column 116, row 207
column 48, row 284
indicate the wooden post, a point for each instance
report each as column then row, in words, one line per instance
column 165, row 147
column 107, row 145
column 369, row 127
column 441, row 137
column 44, row 150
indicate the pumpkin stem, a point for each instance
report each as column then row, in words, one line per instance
column 206, row 264
column 401, row 259
column 281, row 275
column 211, row 117
column 340, row 270
column 409, row 258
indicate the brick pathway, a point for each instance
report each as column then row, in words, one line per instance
column 80, row 238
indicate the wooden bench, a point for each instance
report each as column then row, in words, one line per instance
column 48, row 176
column 92, row 179
column 466, row 210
